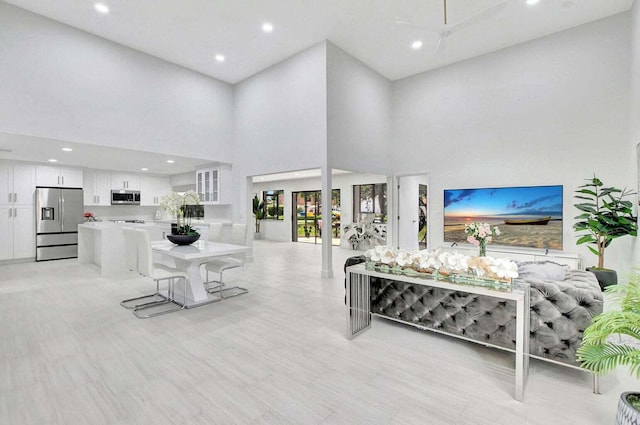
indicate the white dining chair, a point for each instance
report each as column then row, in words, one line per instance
column 157, row 272
column 215, row 232
column 220, row 265
column 131, row 258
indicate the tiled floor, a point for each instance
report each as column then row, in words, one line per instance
column 69, row 354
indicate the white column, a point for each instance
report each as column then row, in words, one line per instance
column 327, row 260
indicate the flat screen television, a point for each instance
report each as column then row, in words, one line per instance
column 529, row 216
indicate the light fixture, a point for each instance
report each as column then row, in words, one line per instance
column 532, row 2
column 67, row 149
column 170, row 161
column 220, row 58
column 261, row 178
column 144, row 169
column 416, row 45
column 101, row 8
column 53, row 160
column 267, row 27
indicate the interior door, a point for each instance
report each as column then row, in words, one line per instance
column 409, row 210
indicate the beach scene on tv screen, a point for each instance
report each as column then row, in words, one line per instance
column 526, row 216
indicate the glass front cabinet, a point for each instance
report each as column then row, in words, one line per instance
column 208, row 185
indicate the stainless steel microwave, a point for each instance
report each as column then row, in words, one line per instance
column 125, row 197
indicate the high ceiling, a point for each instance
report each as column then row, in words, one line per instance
column 192, row 32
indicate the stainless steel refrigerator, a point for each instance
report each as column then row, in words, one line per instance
column 58, row 213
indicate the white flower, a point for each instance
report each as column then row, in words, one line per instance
column 174, row 201
column 404, row 258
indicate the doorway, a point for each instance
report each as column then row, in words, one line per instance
column 307, row 217
column 413, row 212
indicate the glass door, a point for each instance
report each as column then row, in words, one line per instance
column 307, row 218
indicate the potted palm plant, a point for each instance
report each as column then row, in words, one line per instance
column 605, row 216
column 613, row 339
column 258, row 213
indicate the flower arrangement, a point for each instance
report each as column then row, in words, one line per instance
column 365, row 232
column 175, row 204
column 89, row 216
column 479, row 234
column 443, row 264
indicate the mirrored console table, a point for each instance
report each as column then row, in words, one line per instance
column 358, row 310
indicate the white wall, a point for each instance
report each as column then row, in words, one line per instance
column 358, row 115
column 280, row 115
column 550, row 111
column 280, row 121
column 280, row 230
column 63, row 83
column 635, row 102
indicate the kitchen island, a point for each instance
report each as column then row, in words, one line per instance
column 102, row 243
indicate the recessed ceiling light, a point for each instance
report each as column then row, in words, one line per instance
column 220, row 58
column 102, row 8
column 261, row 178
column 267, row 27
column 532, row 2
column 170, row 161
column 53, row 160
column 144, row 169
column 67, row 149
column 416, row 45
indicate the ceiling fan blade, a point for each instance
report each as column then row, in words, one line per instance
column 408, row 24
column 480, row 16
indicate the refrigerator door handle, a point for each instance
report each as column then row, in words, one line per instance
column 10, row 213
column 61, row 214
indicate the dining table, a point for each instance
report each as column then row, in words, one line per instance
column 188, row 258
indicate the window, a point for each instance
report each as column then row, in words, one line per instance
column 370, row 199
column 273, row 204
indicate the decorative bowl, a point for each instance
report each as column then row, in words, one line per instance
column 183, row 239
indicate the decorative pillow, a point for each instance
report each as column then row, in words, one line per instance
column 544, row 270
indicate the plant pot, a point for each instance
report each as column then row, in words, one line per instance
column 627, row 414
column 257, row 235
column 183, row 239
column 606, row 277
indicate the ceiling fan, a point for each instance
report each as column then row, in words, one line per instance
column 448, row 29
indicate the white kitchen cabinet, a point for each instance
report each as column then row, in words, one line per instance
column 125, row 181
column 6, row 227
column 213, row 185
column 207, row 185
column 153, row 189
column 24, row 231
column 58, row 176
column 17, row 211
column 17, row 224
column 97, row 188
column 17, row 184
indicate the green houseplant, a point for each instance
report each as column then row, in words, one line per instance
column 605, row 216
column 603, row 351
column 258, row 213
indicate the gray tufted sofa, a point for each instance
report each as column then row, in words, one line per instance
column 560, row 311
